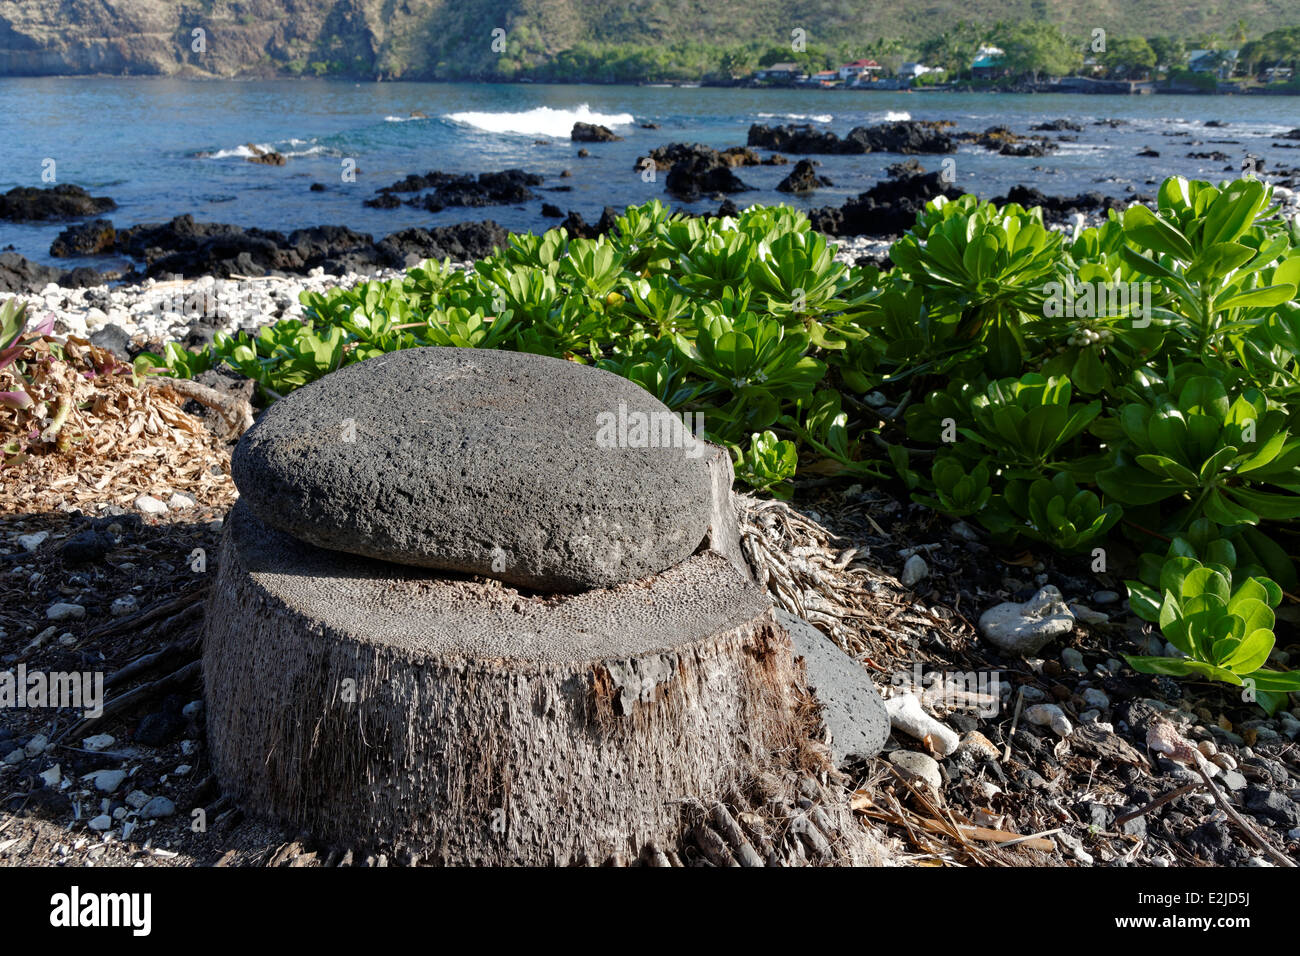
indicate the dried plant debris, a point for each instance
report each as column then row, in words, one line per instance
column 91, row 433
column 1051, row 763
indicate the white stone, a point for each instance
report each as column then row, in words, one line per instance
column 180, row 502
column 907, row 714
column 150, row 505
column 915, row 570
column 102, row 822
column 65, row 612
column 98, row 742
column 127, row 604
column 30, row 542
column 1025, row 628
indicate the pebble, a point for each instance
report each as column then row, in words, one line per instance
column 917, row 767
column 977, row 744
column 127, row 604
column 964, row 531
column 136, row 799
column 192, row 709
column 1233, row 780
column 180, row 502
column 1023, row 628
column 157, row 808
column 1104, row 597
column 98, row 742
column 101, row 823
column 36, row 746
column 15, row 756
column 1032, row 694
column 106, row 781
column 150, row 505
column 30, row 542
column 1087, row 615
column 1094, row 697
column 52, row 776
column 1050, row 715
column 65, row 612
column 1072, row 659
column 915, row 570
column 1223, row 760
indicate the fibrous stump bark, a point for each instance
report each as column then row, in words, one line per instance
column 474, row 724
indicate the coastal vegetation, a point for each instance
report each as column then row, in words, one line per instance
column 1133, row 387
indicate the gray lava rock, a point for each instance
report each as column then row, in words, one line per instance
column 1025, row 628
column 851, row 708
column 157, row 808
column 518, row 467
column 1272, row 805
column 917, row 767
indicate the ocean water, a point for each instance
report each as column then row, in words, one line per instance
column 143, row 142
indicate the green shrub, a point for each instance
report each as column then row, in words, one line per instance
column 1139, row 378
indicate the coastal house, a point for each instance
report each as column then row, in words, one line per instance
column 858, row 70
column 910, row 71
column 988, row 63
column 824, row 78
column 1221, row 62
column 779, row 73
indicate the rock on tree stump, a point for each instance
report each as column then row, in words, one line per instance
column 475, row 724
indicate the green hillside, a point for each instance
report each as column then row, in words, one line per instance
column 454, row 40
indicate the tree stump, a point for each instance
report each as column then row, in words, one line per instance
column 474, row 724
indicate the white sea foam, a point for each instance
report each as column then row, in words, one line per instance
column 896, row 116
column 814, row 117
column 542, row 121
column 242, row 152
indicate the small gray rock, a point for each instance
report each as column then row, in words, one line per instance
column 915, row 570
column 15, row 756
column 1087, row 615
column 127, row 604
column 1073, row 659
column 916, row 767
column 106, row 781
column 1025, row 628
column 101, row 823
column 851, row 708
column 98, row 742
column 65, row 612
column 136, row 799
column 1095, row 697
column 1104, row 597
column 157, row 808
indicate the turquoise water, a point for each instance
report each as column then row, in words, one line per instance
column 139, row 140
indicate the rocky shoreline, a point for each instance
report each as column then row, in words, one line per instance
column 190, row 280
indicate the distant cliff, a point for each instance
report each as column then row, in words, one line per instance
column 453, row 39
